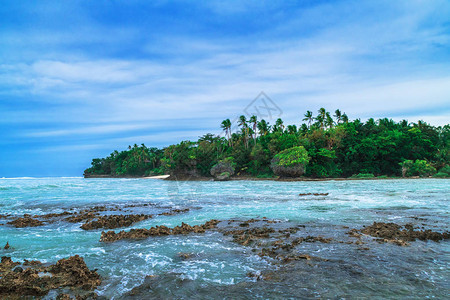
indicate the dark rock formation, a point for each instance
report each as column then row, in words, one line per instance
column 223, row 170
column 37, row 280
column 400, row 235
column 175, row 212
column 6, row 246
column 114, row 221
column 135, row 234
column 313, row 194
column 26, row 221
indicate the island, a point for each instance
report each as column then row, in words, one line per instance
column 323, row 146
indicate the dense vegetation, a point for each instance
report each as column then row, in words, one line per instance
column 325, row 145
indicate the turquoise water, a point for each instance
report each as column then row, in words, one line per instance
column 219, row 266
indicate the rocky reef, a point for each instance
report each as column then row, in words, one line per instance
column 401, row 235
column 114, row 221
column 94, row 217
column 26, row 221
column 32, row 279
column 135, row 234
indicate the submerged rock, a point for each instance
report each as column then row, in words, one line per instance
column 38, row 280
column 175, row 212
column 143, row 233
column 313, row 194
column 114, row 221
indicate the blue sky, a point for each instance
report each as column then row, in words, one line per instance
column 79, row 79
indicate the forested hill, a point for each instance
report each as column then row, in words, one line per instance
column 323, row 146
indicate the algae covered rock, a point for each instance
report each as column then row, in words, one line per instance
column 223, row 170
column 290, row 162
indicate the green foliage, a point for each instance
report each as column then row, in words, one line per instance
column 363, row 175
column 292, row 157
column 419, row 167
column 331, row 147
column 290, row 162
column 444, row 172
column 441, row 175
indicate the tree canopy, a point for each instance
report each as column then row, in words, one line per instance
column 333, row 145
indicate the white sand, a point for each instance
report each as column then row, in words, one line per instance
column 157, row 177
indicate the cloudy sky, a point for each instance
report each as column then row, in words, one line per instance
column 79, row 79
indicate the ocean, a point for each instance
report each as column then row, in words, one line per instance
column 213, row 264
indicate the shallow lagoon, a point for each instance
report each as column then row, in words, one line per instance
column 220, row 266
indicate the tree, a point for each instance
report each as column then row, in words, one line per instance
column 226, row 126
column 263, row 127
column 338, row 116
column 243, row 123
column 309, row 118
column 253, row 121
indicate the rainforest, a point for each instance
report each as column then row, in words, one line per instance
column 325, row 145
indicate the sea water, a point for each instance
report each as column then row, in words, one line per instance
column 219, row 267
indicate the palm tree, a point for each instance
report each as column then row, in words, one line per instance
column 304, row 128
column 344, row 118
column 309, row 117
column 243, row 123
column 292, row 129
column 338, row 116
column 263, row 127
column 278, row 125
column 321, row 117
column 254, row 120
column 329, row 120
column 226, row 126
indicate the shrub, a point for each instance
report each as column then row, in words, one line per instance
column 441, row 175
column 418, row 168
column 290, row 162
column 445, row 170
column 382, row 177
column 363, row 175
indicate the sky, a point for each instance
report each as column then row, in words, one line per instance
column 79, row 79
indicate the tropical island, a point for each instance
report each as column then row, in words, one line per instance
column 323, row 146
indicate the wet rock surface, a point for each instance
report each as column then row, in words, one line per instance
column 35, row 279
column 114, row 221
column 398, row 234
column 95, row 217
column 175, row 212
column 136, row 234
column 26, row 221
column 268, row 240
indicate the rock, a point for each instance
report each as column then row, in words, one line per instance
column 143, row 233
column 185, row 256
column 6, row 246
column 175, row 211
column 223, row 170
column 400, row 235
column 26, row 221
column 114, row 221
column 38, row 280
column 313, row 194
column 223, row 176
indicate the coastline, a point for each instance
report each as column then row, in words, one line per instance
column 250, row 178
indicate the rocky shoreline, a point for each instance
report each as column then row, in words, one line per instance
column 279, row 242
column 274, row 240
